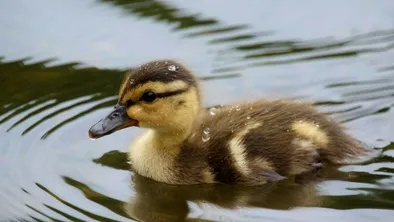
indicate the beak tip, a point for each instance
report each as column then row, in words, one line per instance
column 94, row 131
column 91, row 135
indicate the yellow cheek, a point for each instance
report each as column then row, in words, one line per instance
column 143, row 113
column 135, row 112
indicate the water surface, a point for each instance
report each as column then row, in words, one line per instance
column 62, row 62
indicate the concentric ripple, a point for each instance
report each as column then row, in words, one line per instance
column 51, row 171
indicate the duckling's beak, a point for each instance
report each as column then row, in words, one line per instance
column 116, row 120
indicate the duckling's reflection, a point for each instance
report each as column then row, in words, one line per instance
column 155, row 201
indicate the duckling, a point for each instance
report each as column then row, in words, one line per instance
column 250, row 143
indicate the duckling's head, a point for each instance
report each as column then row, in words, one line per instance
column 162, row 95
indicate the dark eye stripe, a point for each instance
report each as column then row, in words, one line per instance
column 159, row 95
column 172, row 93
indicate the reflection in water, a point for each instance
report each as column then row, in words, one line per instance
column 162, row 202
column 106, row 201
column 66, row 177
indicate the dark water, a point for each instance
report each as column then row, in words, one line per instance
column 62, row 63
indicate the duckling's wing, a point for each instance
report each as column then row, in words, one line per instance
column 271, row 175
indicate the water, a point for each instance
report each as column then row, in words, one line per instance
column 62, row 63
column 206, row 134
column 172, row 68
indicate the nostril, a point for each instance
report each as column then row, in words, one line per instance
column 114, row 115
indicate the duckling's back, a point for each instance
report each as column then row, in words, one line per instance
column 263, row 141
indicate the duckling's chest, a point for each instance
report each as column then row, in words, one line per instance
column 148, row 160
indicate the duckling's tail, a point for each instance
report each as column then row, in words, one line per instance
column 356, row 152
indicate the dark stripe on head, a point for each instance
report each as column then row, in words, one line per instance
column 159, row 95
column 164, row 71
column 171, row 93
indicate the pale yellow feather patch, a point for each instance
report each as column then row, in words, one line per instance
column 237, row 148
column 302, row 144
column 208, row 176
column 311, row 132
column 151, row 160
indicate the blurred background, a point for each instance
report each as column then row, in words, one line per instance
column 61, row 63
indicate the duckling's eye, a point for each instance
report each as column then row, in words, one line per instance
column 149, row 96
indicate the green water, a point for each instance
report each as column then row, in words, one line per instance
column 61, row 63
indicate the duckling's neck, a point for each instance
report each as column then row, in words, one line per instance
column 154, row 153
column 166, row 141
column 169, row 141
